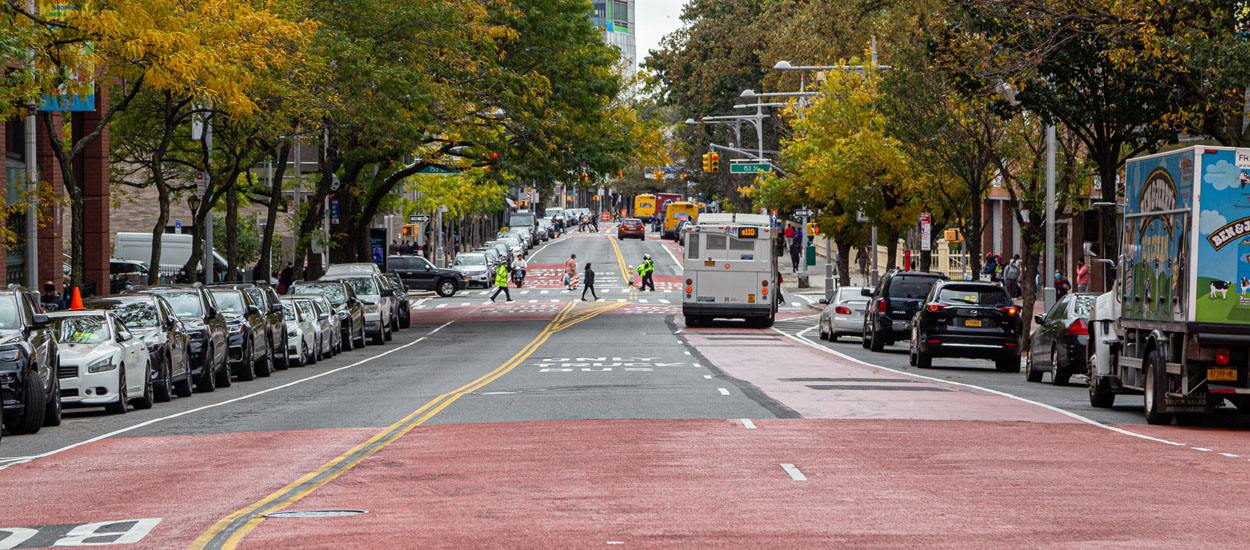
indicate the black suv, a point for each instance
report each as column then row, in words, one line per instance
column 967, row 319
column 275, row 327
column 29, row 363
column 418, row 273
column 152, row 320
column 349, row 309
column 246, row 326
column 893, row 304
column 206, row 329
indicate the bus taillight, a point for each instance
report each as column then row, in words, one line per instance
column 689, row 289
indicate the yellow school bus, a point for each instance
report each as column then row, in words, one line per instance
column 644, row 207
column 674, row 212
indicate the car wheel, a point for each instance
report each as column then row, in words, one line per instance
column 911, row 354
column 923, row 360
column 165, row 390
column 33, row 408
column 182, row 388
column 866, row 339
column 248, row 370
column 313, row 354
column 386, row 333
column 1156, row 390
column 1100, row 395
column 1007, row 363
column 146, row 401
column 445, row 288
column 302, row 361
column 877, row 343
column 208, row 376
column 122, row 403
column 823, row 334
column 52, row 414
column 346, row 343
column 1058, row 376
column 1030, row 370
column 378, row 339
column 266, row 364
column 224, row 376
column 360, row 342
column 279, row 362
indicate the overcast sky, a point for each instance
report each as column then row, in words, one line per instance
column 654, row 19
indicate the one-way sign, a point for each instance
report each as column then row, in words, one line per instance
column 418, row 219
column 803, row 212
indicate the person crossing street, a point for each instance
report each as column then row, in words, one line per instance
column 645, row 271
column 590, row 284
column 501, row 283
column 570, row 272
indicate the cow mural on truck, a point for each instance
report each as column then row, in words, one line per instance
column 1223, row 281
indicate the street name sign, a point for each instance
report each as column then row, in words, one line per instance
column 750, row 168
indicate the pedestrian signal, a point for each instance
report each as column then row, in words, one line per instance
column 952, row 236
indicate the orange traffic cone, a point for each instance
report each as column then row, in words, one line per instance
column 76, row 302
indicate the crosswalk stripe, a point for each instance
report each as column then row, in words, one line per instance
column 621, row 300
column 440, row 305
column 533, row 301
column 642, row 300
column 663, row 301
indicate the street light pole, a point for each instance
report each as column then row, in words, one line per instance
column 1048, row 277
column 208, row 216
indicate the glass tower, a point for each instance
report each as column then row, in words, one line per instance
column 615, row 19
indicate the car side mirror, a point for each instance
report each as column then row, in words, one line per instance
column 865, row 292
column 253, row 309
column 387, row 293
column 824, row 302
column 427, row 267
column 324, row 316
column 276, row 308
column 123, row 337
column 1039, row 319
column 39, row 320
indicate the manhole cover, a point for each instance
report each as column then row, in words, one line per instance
column 316, row 514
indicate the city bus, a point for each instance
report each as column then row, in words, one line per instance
column 729, row 270
column 644, row 207
column 675, row 212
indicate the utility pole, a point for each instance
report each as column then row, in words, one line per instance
column 32, row 190
column 1048, row 276
column 208, row 216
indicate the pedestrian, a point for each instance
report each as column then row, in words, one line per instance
column 1062, row 285
column 570, row 271
column 1082, row 275
column 795, row 248
column 645, row 271
column 50, row 300
column 998, row 267
column 594, row 222
column 590, row 284
column 1011, row 277
column 861, row 259
column 394, row 250
column 988, row 269
column 284, row 278
column 501, row 283
column 780, row 299
column 789, row 233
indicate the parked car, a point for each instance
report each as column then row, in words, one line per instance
column 29, row 365
column 360, row 268
column 1058, row 344
column 493, row 259
column 680, row 231
column 266, row 298
column 246, row 327
column 474, row 268
column 378, row 298
column 151, row 319
column 331, row 319
column 546, row 229
column 301, row 334
column 844, row 315
column 631, row 228
column 321, row 329
column 893, row 304
column 418, row 273
column 350, row 310
column 967, row 319
column 403, row 308
column 195, row 306
column 102, row 362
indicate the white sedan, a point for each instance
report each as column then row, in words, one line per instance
column 322, row 348
column 301, row 333
column 844, row 315
column 102, row 362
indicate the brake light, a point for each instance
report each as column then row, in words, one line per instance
column 935, row 307
column 1221, row 357
column 1012, row 310
column 842, row 310
column 881, row 306
column 1078, row 328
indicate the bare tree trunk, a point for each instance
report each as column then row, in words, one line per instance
column 271, row 215
column 232, row 231
column 891, row 250
column 844, row 263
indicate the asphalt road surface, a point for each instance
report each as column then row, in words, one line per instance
column 553, row 422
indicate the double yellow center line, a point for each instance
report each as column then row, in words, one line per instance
column 625, row 272
column 230, row 530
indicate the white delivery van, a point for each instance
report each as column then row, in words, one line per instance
column 175, row 249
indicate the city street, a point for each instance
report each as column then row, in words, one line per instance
column 552, row 422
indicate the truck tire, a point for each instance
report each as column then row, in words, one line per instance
column 1100, row 395
column 1058, row 376
column 1156, row 389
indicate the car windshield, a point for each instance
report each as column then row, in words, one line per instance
column 185, row 304
column 394, row 280
column 364, row 286
column 469, row 260
column 138, row 314
column 521, row 220
column 1081, row 305
column 8, row 313
column 974, row 296
column 230, row 302
column 851, row 295
column 83, row 329
column 288, row 312
column 333, row 292
column 910, row 287
column 306, row 308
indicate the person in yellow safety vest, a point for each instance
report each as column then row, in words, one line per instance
column 501, row 283
column 645, row 270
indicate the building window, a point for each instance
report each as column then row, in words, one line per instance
column 620, row 14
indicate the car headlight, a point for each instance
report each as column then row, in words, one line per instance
column 342, row 315
column 371, row 308
column 236, row 328
column 105, row 364
column 9, row 354
column 292, row 332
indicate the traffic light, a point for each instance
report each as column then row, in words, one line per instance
column 715, row 161
column 523, row 204
column 707, row 162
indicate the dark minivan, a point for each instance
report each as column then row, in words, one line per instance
column 893, row 303
column 967, row 319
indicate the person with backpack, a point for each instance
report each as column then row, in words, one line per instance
column 1011, row 277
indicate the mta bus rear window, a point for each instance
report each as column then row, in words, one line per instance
column 741, row 244
column 976, row 297
column 910, row 287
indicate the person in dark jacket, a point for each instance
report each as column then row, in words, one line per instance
column 589, row 280
column 795, row 248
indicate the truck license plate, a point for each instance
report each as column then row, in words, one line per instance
column 901, row 325
column 1228, row 375
column 972, row 322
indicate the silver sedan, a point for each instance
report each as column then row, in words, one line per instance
column 844, row 315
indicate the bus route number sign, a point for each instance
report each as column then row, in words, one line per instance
column 747, row 232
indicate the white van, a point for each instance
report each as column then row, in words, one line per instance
column 175, row 249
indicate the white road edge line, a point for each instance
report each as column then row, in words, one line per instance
column 723, row 391
column 676, row 262
column 1069, row 414
column 214, row 405
column 795, row 474
column 746, row 422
